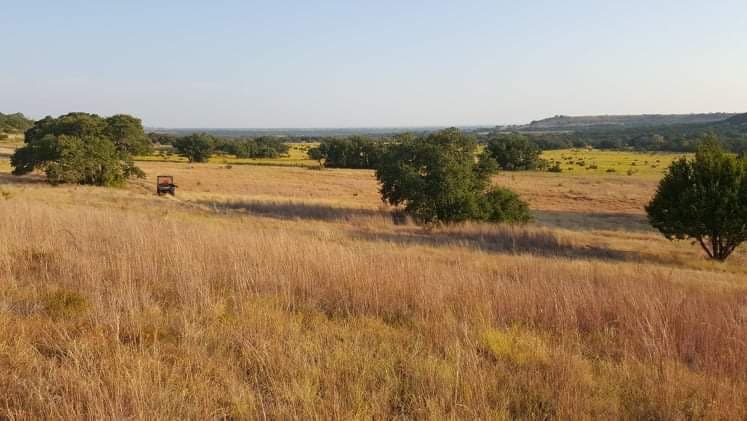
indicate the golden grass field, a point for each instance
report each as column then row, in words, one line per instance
column 272, row 292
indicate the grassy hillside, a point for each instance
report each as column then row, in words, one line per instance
column 285, row 292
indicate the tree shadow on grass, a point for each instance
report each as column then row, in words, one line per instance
column 295, row 210
column 590, row 221
column 501, row 240
column 24, row 179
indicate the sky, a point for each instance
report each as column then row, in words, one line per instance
column 303, row 64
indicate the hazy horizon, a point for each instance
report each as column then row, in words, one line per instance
column 294, row 65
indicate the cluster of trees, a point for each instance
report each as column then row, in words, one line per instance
column 260, row 147
column 197, row 147
column 83, row 148
column 352, row 152
column 437, row 179
column 14, row 123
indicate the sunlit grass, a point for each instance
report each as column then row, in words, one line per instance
column 598, row 162
column 289, row 293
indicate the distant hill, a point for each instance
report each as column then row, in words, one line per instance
column 561, row 122
column 678, row 133
column 13, row 123
column 739, row 119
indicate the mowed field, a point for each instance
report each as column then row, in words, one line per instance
column 288, row 292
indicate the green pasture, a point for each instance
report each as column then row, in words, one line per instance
column 623, row 163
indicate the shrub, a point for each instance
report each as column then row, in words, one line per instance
column 704, row 199
column 503, row 205
column 555, row 168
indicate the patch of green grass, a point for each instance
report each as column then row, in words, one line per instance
column 622, row 163
column 517, row 345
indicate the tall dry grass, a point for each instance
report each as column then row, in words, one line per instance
column 114, row 313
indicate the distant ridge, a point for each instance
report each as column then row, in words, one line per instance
column 562, row 122
column 739, row 119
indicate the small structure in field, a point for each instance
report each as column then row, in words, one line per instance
column 165, row 185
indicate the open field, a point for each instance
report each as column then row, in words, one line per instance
column 605, row 162
column 288, row 292
column 584, row 162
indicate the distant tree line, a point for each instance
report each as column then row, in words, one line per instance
column 510, row 151
column 352, row 152
column 199, row 147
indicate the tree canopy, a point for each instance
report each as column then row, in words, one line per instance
column 82, row 148
column 260, row 147
column 351, row 152
column 438, row 179
column 197, row 147
column 704, row 199
column 513, row 151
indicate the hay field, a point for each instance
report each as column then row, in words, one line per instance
column 281, row 292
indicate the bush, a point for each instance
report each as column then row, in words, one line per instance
column 704, row 199
column 555, row 168
column 503, row 205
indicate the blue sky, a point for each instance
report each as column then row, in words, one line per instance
column 370, row 63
